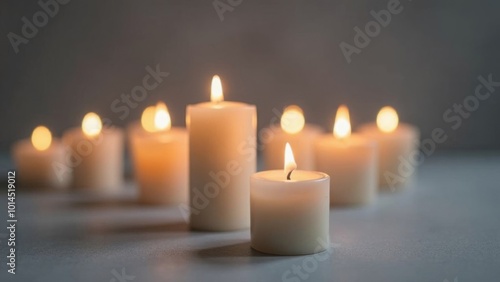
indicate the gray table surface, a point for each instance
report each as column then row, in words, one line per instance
column 445, row 227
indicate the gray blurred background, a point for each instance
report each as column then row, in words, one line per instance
column 269, row 53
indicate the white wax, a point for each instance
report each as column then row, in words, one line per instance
column 302, row 143
column 160, row 162
column 35, row 169
column 97, row 161
column 222, row 150
column 395, row 149
column 352, row 166
column 289, row 217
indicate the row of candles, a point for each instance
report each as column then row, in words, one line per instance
column 212, row 167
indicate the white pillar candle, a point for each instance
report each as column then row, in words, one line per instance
column 397, row 142
column 160, row 157
column 289, row 210
column 97, row 155
column 350, row 160
column 35, row 161
column 294, row 131
column 222, row 159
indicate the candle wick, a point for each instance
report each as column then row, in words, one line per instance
column 289, row 174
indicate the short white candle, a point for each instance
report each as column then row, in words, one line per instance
column 350, row 160
column 35, row 160
column 294, row 131
column 97, row 154
column 289, row 210
column 222, row 150
column 397, row 142
column 160, row 157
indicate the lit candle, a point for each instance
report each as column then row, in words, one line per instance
column 222, row 159
column 97, row 153
column 160, row 157
column 290, row 210
column 293, row 130
column 351, row 161
column 397, row 141
column 35, row 160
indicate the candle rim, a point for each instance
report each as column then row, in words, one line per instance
column 25, row 147
column 403, row 131
column 105, row 130
column 308, row 128
column 76, row 133
column 321, row 176
column 135, row 129
column 223, row 105
column 355, row 140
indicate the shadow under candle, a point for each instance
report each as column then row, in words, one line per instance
column 237, row 253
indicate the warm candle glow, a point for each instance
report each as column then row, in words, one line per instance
column 156, row 118
column 41, row 138
column 342, row 126
column 91, row 124
column 162, row 117
column 148, row 119
column 290, row 164
column 292, row 120
column 387, row 119
column 216, row 94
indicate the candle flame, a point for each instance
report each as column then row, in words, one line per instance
column 148, row 119
column 156, row 118
column 342, row 126
column 217, row 93
column 387, row 119
column 91, row 124
column 290, row 164
column 292, row 120
column 162, row 117
column 41, row 138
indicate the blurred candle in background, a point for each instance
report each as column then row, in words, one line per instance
column 160, row 157
column 351, row 162
column 36, row 161
column 290, row 210
column 397, row 142
column 293, row 130
column 97, row 155
column 222, row 152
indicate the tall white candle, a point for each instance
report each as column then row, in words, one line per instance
column 350, row 160
column 160, row 157
column 222, row 159
column 35, row 161
column 98, row 155
column 397, row 142
column 293, row 130
column 290, row 210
